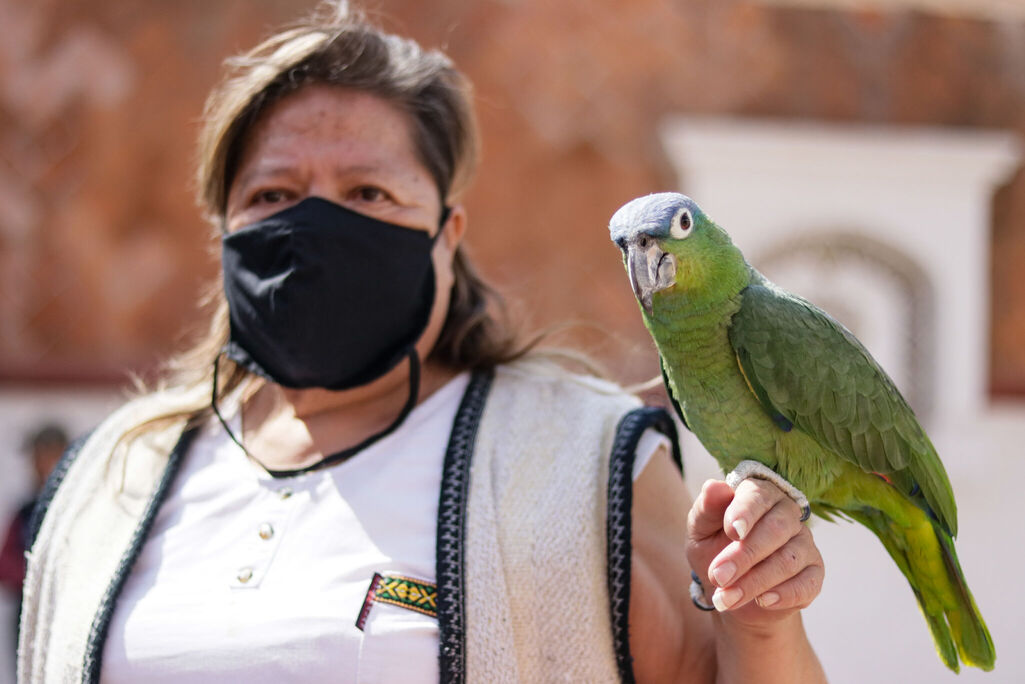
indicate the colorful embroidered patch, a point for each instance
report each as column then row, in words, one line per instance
column 404, row 592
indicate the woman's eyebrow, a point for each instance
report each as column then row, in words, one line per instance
column 343, row 169
column 268, row 171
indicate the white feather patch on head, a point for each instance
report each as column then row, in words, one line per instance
column 649, row 214
column 682, row 224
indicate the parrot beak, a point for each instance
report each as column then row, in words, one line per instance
column 650, row 269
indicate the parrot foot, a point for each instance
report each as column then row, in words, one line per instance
column 697, row 592
column 749, row 469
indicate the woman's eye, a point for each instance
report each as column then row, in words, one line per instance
column 269, row 197
column 369, row 193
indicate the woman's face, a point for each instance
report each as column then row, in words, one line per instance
column 352, row 148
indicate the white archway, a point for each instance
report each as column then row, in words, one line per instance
column 881, row 294
column 926, row 192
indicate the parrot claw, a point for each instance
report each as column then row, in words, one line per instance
column 749, row 469
column 697, row 592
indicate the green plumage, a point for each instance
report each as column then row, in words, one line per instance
column 758, row 373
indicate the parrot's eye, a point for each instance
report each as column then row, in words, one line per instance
column 682, row 223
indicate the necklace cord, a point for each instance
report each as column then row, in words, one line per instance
column 217, row 411
column 344, row 454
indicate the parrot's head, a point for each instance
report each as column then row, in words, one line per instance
column 670, row 247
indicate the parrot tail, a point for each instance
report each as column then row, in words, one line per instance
column 970, row 632
column 925, row 555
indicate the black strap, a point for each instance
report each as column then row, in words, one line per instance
column 445, row 213
column 450, row 559
column 53, row 483
column 618, row 523
column 338, row 456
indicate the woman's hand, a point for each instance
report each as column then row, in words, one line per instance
column 757, row 561
column 671, row 640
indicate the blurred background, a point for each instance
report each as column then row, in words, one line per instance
column 865, row 153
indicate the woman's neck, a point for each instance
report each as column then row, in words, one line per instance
column 288, row 428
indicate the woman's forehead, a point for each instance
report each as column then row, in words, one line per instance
column 329, row 121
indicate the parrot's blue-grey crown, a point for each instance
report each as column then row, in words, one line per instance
column 650, row 215
column 639, row 228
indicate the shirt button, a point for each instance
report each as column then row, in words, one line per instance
column 266, row 531
column 286, row 493
column 244, row 575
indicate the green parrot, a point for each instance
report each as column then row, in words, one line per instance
column 759, row 374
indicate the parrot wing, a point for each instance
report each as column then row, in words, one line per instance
column 808, row 369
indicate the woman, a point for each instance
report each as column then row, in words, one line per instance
column 358, row 475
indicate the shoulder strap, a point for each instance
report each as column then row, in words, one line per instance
column 101, row 621
column 451, row 532
column 620, row 493
column 53, row 483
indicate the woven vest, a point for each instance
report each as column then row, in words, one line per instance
column 533, row 536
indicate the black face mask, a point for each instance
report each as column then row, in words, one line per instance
column 321, row 296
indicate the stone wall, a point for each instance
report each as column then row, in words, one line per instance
column 103, row 255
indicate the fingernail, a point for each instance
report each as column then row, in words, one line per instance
column 723, row 599
column 722, row 574
column 740, row 527
column 767, row 599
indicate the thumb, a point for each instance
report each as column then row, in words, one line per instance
column 705, row 519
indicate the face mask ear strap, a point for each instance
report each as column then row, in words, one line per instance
column 217, row 412
column 446, row 212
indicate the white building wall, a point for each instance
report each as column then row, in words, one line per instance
column 927, row 194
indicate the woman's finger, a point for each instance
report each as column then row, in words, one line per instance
column 753, row 499
column 796, row 593
column 705, row 519
column 771, row 533
column 785, row 563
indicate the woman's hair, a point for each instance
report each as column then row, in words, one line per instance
column 337, row 46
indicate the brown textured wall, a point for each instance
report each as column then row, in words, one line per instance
column 102, row 254
column 101, row 249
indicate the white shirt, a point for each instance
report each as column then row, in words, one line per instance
column 249, row 578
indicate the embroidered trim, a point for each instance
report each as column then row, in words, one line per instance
column 410, row 593
column 405, row 592
column 618, row 531
column 455, row 482
column 368, row 602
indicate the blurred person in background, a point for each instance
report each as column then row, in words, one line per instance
column 361, row 473
column 44, row 446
